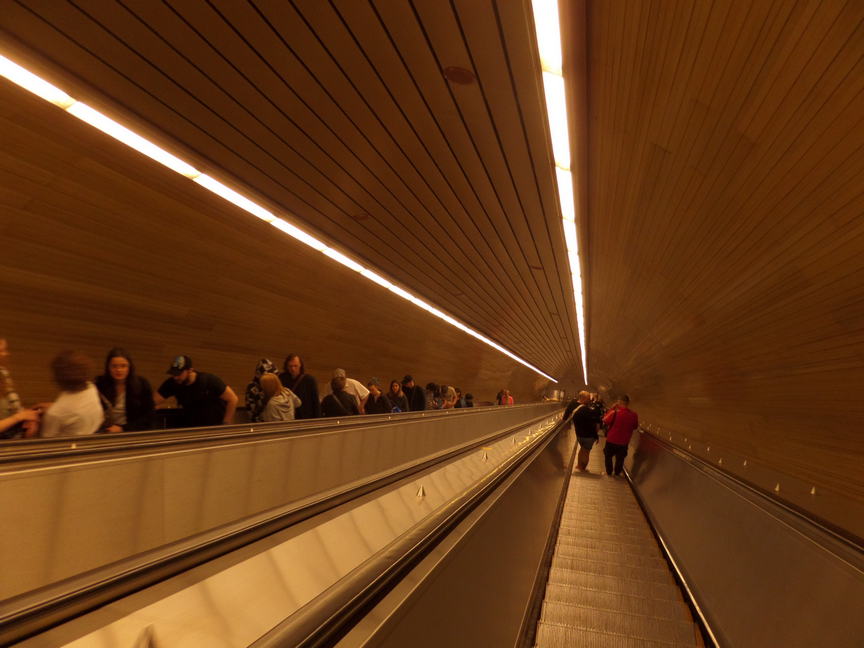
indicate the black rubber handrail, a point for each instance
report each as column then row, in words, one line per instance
column 93, row 446
column 37, row 611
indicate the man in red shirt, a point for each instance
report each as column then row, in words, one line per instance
column 620, row 421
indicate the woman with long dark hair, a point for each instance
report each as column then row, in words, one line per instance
column 129, row 394
column 397, row 396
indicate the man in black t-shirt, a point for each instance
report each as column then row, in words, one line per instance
column 205, row 398
column 585, row 422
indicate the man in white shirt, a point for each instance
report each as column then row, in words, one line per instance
column 355, row 388
column 77, row 410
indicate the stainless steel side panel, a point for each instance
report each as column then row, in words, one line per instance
column 474, row 590
column 761, row 575
column 59, row 521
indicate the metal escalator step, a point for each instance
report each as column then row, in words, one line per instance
column 550, row 635
column 583, row 516
column 631, row 535
column 630, row 587
column 584, row 597
column 630, row 625
column 575, row 526
column 608, row 553
column 593, row 544
column 603, row 522
column 613, row 568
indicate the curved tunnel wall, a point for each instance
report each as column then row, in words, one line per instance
column 725, row 238
column 727, row 226
column 104, row 248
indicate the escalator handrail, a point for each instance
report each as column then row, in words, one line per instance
column 92, row 446
column 37, row 611
column 326, row 618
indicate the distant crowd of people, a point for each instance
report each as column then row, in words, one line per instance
column 590, row 417
column 121, row 400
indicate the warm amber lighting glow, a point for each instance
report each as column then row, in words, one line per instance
column 38, row 86
column 547, row 27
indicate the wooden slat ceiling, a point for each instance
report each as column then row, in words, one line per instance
column 339, row 113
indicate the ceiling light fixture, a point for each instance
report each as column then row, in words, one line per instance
column 546, row 24
column 38, row 86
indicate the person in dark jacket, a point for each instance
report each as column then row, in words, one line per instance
column 295, row 378
column 585, row 422
column 129, row 394
column 414, row 394
column 377, row 402
column 397, row 397
column 340, row 402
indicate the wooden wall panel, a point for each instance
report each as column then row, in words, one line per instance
column 726, row 228
column 103, row 248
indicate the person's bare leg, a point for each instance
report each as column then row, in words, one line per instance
column 582, row 460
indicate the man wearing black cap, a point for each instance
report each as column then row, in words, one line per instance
column 205, row 398
column 414, row 394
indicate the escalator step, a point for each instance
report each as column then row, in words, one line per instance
column 630, row 587
column 592, row 544
column 584, row 597
column 554, row 636
column 632, row 536
column 631, row 625
column 607, row 553
column 611, row 567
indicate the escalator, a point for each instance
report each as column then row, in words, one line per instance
column 491, row 542
column 609, row 583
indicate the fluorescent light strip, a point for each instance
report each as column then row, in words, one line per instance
column 38, row 86
column 547, row 26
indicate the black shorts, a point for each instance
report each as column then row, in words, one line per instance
column 586, row 443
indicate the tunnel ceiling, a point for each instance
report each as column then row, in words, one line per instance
column 411, row 134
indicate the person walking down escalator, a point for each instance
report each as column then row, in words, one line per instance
column 620, row 422
column 585, row 422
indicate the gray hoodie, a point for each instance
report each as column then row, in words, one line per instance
column 281, row 406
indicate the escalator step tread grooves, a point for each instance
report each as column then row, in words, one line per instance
column 554, row 636
column 644, row 627
column 585, row 597
column 601, row 554
column 609, row 584
column 609, row 568
column 627, row 586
